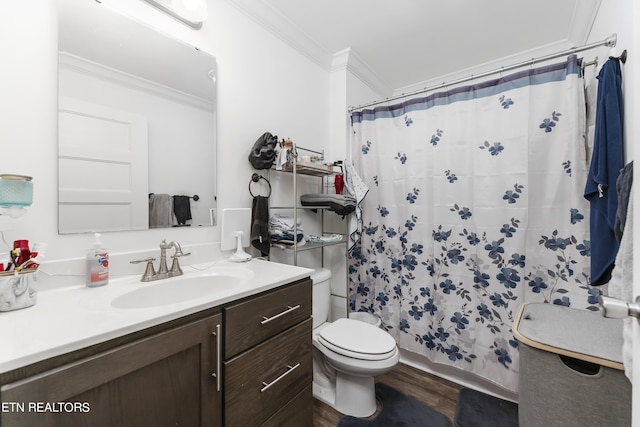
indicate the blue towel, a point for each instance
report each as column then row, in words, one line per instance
column 606, row 163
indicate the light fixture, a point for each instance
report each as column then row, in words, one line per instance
column 191, row 12
column 16, row 192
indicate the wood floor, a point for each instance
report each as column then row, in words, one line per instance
column 436, row 392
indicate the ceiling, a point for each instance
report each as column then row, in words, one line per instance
column 400, row 43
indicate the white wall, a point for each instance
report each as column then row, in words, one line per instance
column 263, row 85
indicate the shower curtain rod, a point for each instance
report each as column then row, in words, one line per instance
column 609, row 42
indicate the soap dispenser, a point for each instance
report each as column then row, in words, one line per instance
column 97, row 264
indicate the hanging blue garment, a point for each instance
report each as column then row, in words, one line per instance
column 605, row 166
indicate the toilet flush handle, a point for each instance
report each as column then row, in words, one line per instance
column 617, row 309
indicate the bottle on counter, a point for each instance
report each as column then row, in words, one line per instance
column 97, row 264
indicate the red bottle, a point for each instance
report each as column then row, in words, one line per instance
column 339, row 183
column 25, row 253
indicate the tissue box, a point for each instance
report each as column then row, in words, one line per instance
column 17, row 290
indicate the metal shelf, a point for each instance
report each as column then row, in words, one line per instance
column 313, row 245
column 309, row 169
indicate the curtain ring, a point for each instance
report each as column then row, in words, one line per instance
column 255, row 178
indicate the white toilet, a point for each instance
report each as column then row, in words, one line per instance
column 347, row 355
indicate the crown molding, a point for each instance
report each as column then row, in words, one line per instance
column 99, row 71
column 349, row 60
column 584, row 15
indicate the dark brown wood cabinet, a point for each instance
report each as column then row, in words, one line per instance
column 167, row 379
column 247, row 363
column 268, row 363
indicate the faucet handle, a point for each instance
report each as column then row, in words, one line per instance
column 175, row 264
column 149, row 272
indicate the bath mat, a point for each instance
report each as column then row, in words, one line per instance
column 476, row 409
column 398, row 410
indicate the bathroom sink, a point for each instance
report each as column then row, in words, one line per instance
column 180, row 289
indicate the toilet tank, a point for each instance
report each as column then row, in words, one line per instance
column 321, row 294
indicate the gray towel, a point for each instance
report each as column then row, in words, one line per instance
column 159, row 211
column 623, row 188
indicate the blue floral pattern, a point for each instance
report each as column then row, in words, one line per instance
column 447, row 270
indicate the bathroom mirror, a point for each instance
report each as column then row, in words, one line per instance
column 136, row 125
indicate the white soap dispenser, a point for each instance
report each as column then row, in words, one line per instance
column 97, row 264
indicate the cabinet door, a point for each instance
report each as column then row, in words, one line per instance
column 163, row 380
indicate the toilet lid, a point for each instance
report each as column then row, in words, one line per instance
column 357, row 339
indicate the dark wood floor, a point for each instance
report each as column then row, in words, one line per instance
column 436, row 392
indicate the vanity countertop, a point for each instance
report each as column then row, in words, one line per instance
column 71, row 318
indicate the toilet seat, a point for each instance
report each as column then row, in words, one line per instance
column 358, row 340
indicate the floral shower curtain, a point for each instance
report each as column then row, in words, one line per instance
column 475, row 207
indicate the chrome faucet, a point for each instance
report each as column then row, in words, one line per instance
column 150, row 273
column 175, row 265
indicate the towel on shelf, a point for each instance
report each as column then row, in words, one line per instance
column 338, row 203
column 260, row 225
column 160, row 211
column 281, row 230
column 286, row 239
column 621, row 286
column 284, row 223
column 182, row 209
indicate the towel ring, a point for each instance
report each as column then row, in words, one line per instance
column 255, row 178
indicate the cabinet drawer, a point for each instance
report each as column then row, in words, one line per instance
column 262, row 380
column 297, row 413
column 257, row 319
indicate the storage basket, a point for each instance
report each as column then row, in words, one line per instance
column 17, row 289
column 571, row 371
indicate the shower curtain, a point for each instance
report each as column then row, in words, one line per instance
column 475, row 207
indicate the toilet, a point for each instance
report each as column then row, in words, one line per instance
column 347, row 354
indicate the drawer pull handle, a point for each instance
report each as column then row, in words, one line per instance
column 288, row 310
column 289, row 370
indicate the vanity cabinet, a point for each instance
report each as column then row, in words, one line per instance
column 167, row 379
column 246, row 363
column 268, row 359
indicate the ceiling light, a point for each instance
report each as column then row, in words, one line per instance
column 191, row 12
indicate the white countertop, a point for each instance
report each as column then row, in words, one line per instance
column 72, row 318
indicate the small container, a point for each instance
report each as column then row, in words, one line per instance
column 97, row 264
column 16, row 190
column 17, row 289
